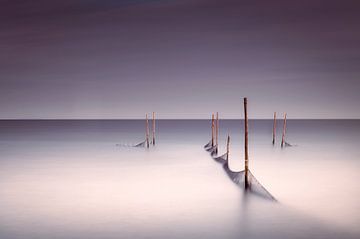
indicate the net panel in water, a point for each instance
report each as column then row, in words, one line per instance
column 139, row 145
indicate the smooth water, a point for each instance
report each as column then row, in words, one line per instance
column 68, row 179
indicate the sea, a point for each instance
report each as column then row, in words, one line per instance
column 84, row 179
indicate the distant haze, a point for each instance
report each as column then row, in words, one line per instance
column 181, row 58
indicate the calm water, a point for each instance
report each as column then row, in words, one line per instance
column 68, row 179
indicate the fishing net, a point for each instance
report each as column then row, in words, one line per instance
column 139, row 145
column 288, row 144
column 258, row 189
column 239, row 177
column 142, row 144
column 255, row 186
column 208, row 144
column 221, row 159
column 213, row 150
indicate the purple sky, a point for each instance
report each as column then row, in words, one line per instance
column 180, row 58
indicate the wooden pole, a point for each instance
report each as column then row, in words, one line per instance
column 153, row 128
column 147, row 131
column 274, row 128
column 246, row 145
column 228, row 147
column 217, row 131
column 284, row 132
column 212, row 130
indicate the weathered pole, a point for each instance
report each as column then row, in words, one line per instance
column 246, row 145
column 284, row 131
column 217, row 131
column 153, row 128
column 227, row 147
column 212, row 130
column 147, row 131
column 274, row 128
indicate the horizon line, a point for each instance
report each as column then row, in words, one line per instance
column 18, row 119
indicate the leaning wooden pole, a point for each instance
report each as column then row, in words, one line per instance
column 228, row 147
column 246, row 145
column 274, row 128
column 284, row 132
column 153, row 128
column 212, row 130
column 147, row 131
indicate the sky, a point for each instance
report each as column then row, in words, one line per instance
column 113, row 59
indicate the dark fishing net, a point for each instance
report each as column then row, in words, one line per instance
column 254, row 186
column 221, row 159
column 139, row 145
column 237, row 177
column 208, row 144
column 288, row 144
column 258, row 189
column 210, row 149
column 142, row 144
column 214, row 151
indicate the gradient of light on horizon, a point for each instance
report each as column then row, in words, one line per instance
column 182, row 59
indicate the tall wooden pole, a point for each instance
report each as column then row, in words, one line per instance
column 228, row 147
column 153, row 128
column 246, row 145
column 274, row 128
column 217, row 131
column 284, row 132
column 147, row 131
column 212, row 130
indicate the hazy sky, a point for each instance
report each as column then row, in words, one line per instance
column 180, row 58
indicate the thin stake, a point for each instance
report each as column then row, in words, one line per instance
column 228, row 147
column 212, row 130
column 274, row 128
column 147, row 131
column 284, row 131
column 217, row 131
column 246, row 146
column 153, row 128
